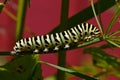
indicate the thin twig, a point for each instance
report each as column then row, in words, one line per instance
column 5, row 53
column 12, row 16
column 112, row 22
column 114, row 33
column 93, row 8
column 70, row 71
column 99, row 15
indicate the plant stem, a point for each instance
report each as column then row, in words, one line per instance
column 22, row 7
column 62, row 54
column 70, row 71
column 93, row 8
column 85, row 15
column 90, row 42
column 113, row 21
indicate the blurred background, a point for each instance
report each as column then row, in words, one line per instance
column 41, row 18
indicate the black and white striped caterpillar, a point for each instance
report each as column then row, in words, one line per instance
column 58, row 41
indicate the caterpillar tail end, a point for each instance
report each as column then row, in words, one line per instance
column 13, row 53
column 16, row 52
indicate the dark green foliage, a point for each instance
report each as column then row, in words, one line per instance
column 102, row 59
column 20, row 68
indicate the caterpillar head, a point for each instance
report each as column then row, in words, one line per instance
column 91, row 34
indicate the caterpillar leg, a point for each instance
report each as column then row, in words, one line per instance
column 45, row 50
column 67, row 46
column 36, row 51
column 56, row 48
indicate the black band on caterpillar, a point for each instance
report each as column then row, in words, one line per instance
column 54, row 42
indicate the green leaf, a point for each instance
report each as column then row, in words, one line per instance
column 19, row 69
column 6, row 74
column 113, row 20
column 36, row 71
column 102, row 59
column 114, row 33
column 114, row 42
column 50, row 78
column 2, row 69
column 116, row 73
column 70, row 71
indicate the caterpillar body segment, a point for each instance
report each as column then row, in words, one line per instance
column 58, row 41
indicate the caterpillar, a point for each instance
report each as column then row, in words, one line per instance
column 54, row 42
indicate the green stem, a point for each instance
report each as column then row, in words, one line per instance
column 62, row 54
column 36, row 72
column 5, row 53
column 90, row 42
column 114, row 33
column 70, row 71
column 113, row 21
column 99, row 15
column 101, row 73
column 61, row 62
column 85, row 15
column 93, row 8
column 113, row 42
column 22, row 8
